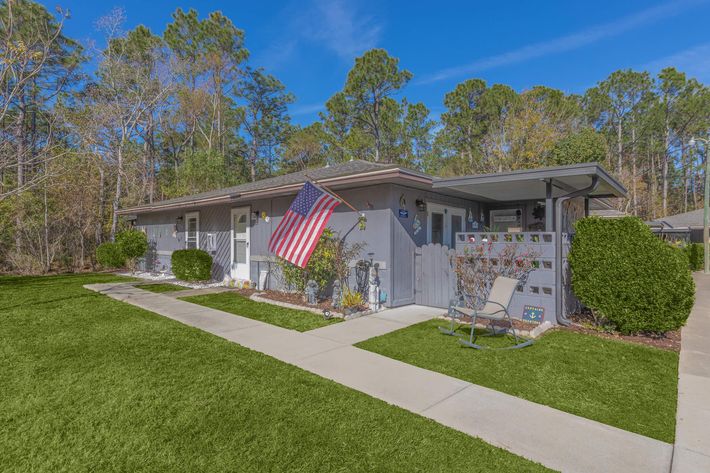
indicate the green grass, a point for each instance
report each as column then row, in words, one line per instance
column 88, row 383
column 162, row 287
column 301, row 320
column 628, row 386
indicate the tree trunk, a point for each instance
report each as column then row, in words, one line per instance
column 117, row 195
column 634, row 193
column 102, row 203
column 619, row 150
column 20, row 157
column 666, row 158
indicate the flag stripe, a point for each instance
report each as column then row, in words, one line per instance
column 297, row 235
column 307, row 254
column 314, row 233
column 276, row 237
column 308, row 222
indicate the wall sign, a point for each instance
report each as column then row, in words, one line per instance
column 403, row 213
column 532, row 313
column 416, row 224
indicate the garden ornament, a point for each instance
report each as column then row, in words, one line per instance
column 311, row 291
column 337, row 294
column 374, row 289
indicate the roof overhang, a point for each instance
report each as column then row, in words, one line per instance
column 393, row 175
column 532, row 184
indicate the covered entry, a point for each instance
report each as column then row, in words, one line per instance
column 564, row 192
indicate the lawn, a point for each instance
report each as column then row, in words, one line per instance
column 301, row 320
column 162, row 287
column 88, row 383
column 628, row 386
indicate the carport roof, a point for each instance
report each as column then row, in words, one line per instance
column 532, row 183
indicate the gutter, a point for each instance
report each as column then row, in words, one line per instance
column 561, row 318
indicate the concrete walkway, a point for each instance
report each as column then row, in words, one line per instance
column 556, row 439
column 369, row 326
column 692, row 448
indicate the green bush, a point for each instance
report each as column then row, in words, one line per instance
column 133, row 244
column 631, row 278
column 191, row 265
column 321, row 267
column 695, row 253
column 109, row 255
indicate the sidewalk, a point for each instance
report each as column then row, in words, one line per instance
column 556, row 439
column 692, row 448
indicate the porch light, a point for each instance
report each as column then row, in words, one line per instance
column 178, row 220
column 421, row 205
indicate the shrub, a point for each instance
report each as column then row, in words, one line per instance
column 351, row 299
column 133, row 244
column 329, row 261
column 109, row 255
column 696, row 256
column 631, row 278
column 191, row 265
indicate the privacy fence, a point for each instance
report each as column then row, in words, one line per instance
column 491, row 254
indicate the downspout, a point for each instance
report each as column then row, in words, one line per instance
column 561, row 319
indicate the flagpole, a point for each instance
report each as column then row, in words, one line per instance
column 336, row 195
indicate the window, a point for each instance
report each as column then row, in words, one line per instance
column 192, row 230
column 437, row 228
column 456, row 227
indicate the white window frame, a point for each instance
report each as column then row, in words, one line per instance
column 196, row 216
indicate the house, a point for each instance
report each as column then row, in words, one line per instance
column 407, row 212
column 685, row 226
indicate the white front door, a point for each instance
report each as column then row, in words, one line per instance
column 444, row 222
column 240, row 243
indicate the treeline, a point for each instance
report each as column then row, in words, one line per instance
column 142, row 116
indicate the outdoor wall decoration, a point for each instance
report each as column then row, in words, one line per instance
column 533, row 314
column 416, row 224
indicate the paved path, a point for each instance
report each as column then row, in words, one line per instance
column 553, row 438
column 692, row 448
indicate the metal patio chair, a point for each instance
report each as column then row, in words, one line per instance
column 494, row 310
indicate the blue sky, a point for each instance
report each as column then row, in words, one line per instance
column 311, row 44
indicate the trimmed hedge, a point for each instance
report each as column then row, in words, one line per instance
column 191, row 265
column 109, row 255
column 696, row 256
column 629, row 276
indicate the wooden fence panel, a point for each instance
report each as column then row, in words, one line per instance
column 435, row 277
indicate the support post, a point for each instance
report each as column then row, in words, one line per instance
column 549, row 207
column 559, row 309
column 706, row 214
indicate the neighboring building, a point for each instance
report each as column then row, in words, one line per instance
column 686, row 226
column 604, row 208
column 405, row 210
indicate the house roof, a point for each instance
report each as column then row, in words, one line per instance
column 692, row 219
column 336, row 175
column 531, row 184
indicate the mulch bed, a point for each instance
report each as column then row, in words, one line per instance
column 297, row 299
column 668, row 341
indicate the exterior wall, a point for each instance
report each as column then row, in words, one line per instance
column 405, row 240
column 165, row 235
column 390, row 237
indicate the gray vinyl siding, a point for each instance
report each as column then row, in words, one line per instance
column 389, row 239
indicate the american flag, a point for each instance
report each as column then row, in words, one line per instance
column 297, row 235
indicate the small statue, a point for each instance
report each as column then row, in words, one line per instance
column 373, row 298
column 311, row 292
column 337, row 294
